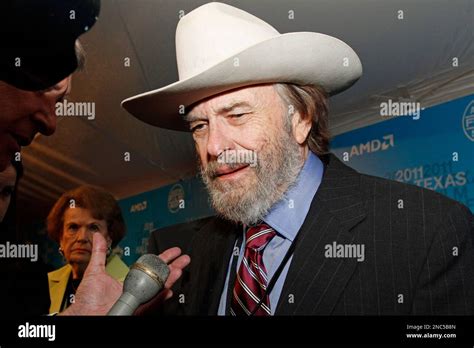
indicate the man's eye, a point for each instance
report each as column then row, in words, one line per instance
column 237, row 115
column 197, row 127
column 62, row 97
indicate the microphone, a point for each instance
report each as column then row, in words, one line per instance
column 145, row 279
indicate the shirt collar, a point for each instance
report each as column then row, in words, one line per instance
column 287, row 215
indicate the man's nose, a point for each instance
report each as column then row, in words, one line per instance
column 46, row 117
column 45, row 120
column 218, row 141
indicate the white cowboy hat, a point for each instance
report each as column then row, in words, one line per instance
column 220, row 47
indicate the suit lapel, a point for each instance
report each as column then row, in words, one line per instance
column 222, row 250
column 315, row 282
column 57, row 287
column 214, row 245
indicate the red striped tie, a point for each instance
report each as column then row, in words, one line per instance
column 251, row 281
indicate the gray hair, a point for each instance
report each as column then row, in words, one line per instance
column 80, row 56
column 310, row 101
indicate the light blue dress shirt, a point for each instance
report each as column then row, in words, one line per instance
column 286, row 218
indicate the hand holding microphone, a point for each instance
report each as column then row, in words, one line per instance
column 98, row 291
column 144, row 281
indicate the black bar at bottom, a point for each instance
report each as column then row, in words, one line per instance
column 193, row 330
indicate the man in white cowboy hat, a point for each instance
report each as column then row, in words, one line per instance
column 297, row 232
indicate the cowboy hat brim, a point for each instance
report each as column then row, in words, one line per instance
column 302, row 58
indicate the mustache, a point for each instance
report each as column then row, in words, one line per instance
column 229, row 160
column 212, row 168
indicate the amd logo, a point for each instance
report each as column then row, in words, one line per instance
column 371, row 146
column 138, row 207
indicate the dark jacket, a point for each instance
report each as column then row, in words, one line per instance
column 419, row 256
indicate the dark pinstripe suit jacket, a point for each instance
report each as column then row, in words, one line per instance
column 419, row 256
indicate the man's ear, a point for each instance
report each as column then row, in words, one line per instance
column 301, row 127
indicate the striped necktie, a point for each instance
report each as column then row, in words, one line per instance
column 252, row 281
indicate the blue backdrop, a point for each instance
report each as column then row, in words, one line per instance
column 168, row 205
column 436, row 151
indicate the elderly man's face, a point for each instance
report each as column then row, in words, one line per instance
column 24, row 113
column 252, row 121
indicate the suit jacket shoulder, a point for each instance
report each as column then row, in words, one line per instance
column 411, row 240
column 179, row 235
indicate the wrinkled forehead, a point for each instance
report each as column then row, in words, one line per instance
column 81, row 215
column 250, row 97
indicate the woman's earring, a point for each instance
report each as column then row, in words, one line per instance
column 61, row 252
column 109, row 250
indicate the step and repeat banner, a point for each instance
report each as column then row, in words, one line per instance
column 169, row 205
column 432, row 148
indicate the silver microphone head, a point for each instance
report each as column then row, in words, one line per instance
column 146, row 278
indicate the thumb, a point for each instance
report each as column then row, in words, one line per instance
column 99, row 254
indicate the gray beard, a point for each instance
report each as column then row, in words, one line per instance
column 278, row 166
